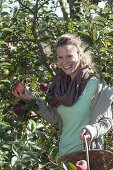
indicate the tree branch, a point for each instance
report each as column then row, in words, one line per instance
column 74, row 6
column 21, row 39
column 27, row 39
column 37, row 41
column 40, row 53
column 26, row 7
column 43, row 4
column 65, row 14
column 35, row 18
column 1, row 6
column 43, row 57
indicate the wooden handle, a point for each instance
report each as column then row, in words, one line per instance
column 87, row 153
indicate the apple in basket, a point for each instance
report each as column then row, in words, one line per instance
column 81, row 165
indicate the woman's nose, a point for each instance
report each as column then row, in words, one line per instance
column 65, row 61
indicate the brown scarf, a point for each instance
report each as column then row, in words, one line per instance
column 64, row 91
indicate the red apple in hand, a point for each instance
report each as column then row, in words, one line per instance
column 44, row 87
column 53, row 46
column 81, row 165
column 18, row 86
column 18, row 108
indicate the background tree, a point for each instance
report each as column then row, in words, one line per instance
column 29, row 30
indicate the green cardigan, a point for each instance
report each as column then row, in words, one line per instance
column 101, row 115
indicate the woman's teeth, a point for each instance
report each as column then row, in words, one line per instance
column 66, row 67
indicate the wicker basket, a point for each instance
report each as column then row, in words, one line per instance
column 96, row 159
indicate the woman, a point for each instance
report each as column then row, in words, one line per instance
column 78, row 103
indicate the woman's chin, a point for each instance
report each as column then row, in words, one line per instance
column 68, row 72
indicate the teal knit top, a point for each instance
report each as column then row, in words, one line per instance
column 75, row 118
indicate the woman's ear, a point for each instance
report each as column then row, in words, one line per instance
column 80, row 57
column 81, row 62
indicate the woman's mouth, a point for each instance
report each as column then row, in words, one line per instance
column 66, row 67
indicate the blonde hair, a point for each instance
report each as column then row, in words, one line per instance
column 69, row 39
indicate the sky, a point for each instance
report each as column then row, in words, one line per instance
column 101, row 4
column 58, row 10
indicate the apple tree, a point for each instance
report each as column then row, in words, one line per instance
column 29, row 30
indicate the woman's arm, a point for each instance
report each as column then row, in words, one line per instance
column 100, row 127
column 101, row 119
column 49, row 114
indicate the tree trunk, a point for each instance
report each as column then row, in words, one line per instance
column 74, row 9
column 63, row 8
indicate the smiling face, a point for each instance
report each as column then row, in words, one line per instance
column 68, row 59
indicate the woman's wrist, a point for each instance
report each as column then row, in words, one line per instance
column 32, row 105
column 39, row 102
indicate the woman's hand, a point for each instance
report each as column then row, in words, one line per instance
column 26, row 96
column 86, row 134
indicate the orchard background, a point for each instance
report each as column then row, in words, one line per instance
column 28, row 31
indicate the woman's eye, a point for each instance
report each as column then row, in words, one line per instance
column 70, row 56
column 59, row 57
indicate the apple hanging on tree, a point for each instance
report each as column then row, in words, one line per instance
column 22, row 108
column 53, row 46
column 19, row 108
column 44, row 87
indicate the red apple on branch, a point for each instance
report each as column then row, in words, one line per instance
column 18, row 86
column 44, row 87
column 18, row 108
column 53, row 46
column 22, row 108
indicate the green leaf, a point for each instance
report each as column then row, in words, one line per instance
column 8, row 168
column 2, row 42
column 4, row 64
column 4, row 125
column 7, row 29
column 72, row 166
column 93, row 6
column 6, row 147
column 99, row 18
column 106, row 31
column 30, row 156
column 4, row 13
column 4, row 81
column 64, row 166
column 95, row 34
column 84, row 33
column 55, row 154
column 32, row 125
column 111, row 16
column 15, row 152
column 40, row 125
column 18, row 167
column 14, row 160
